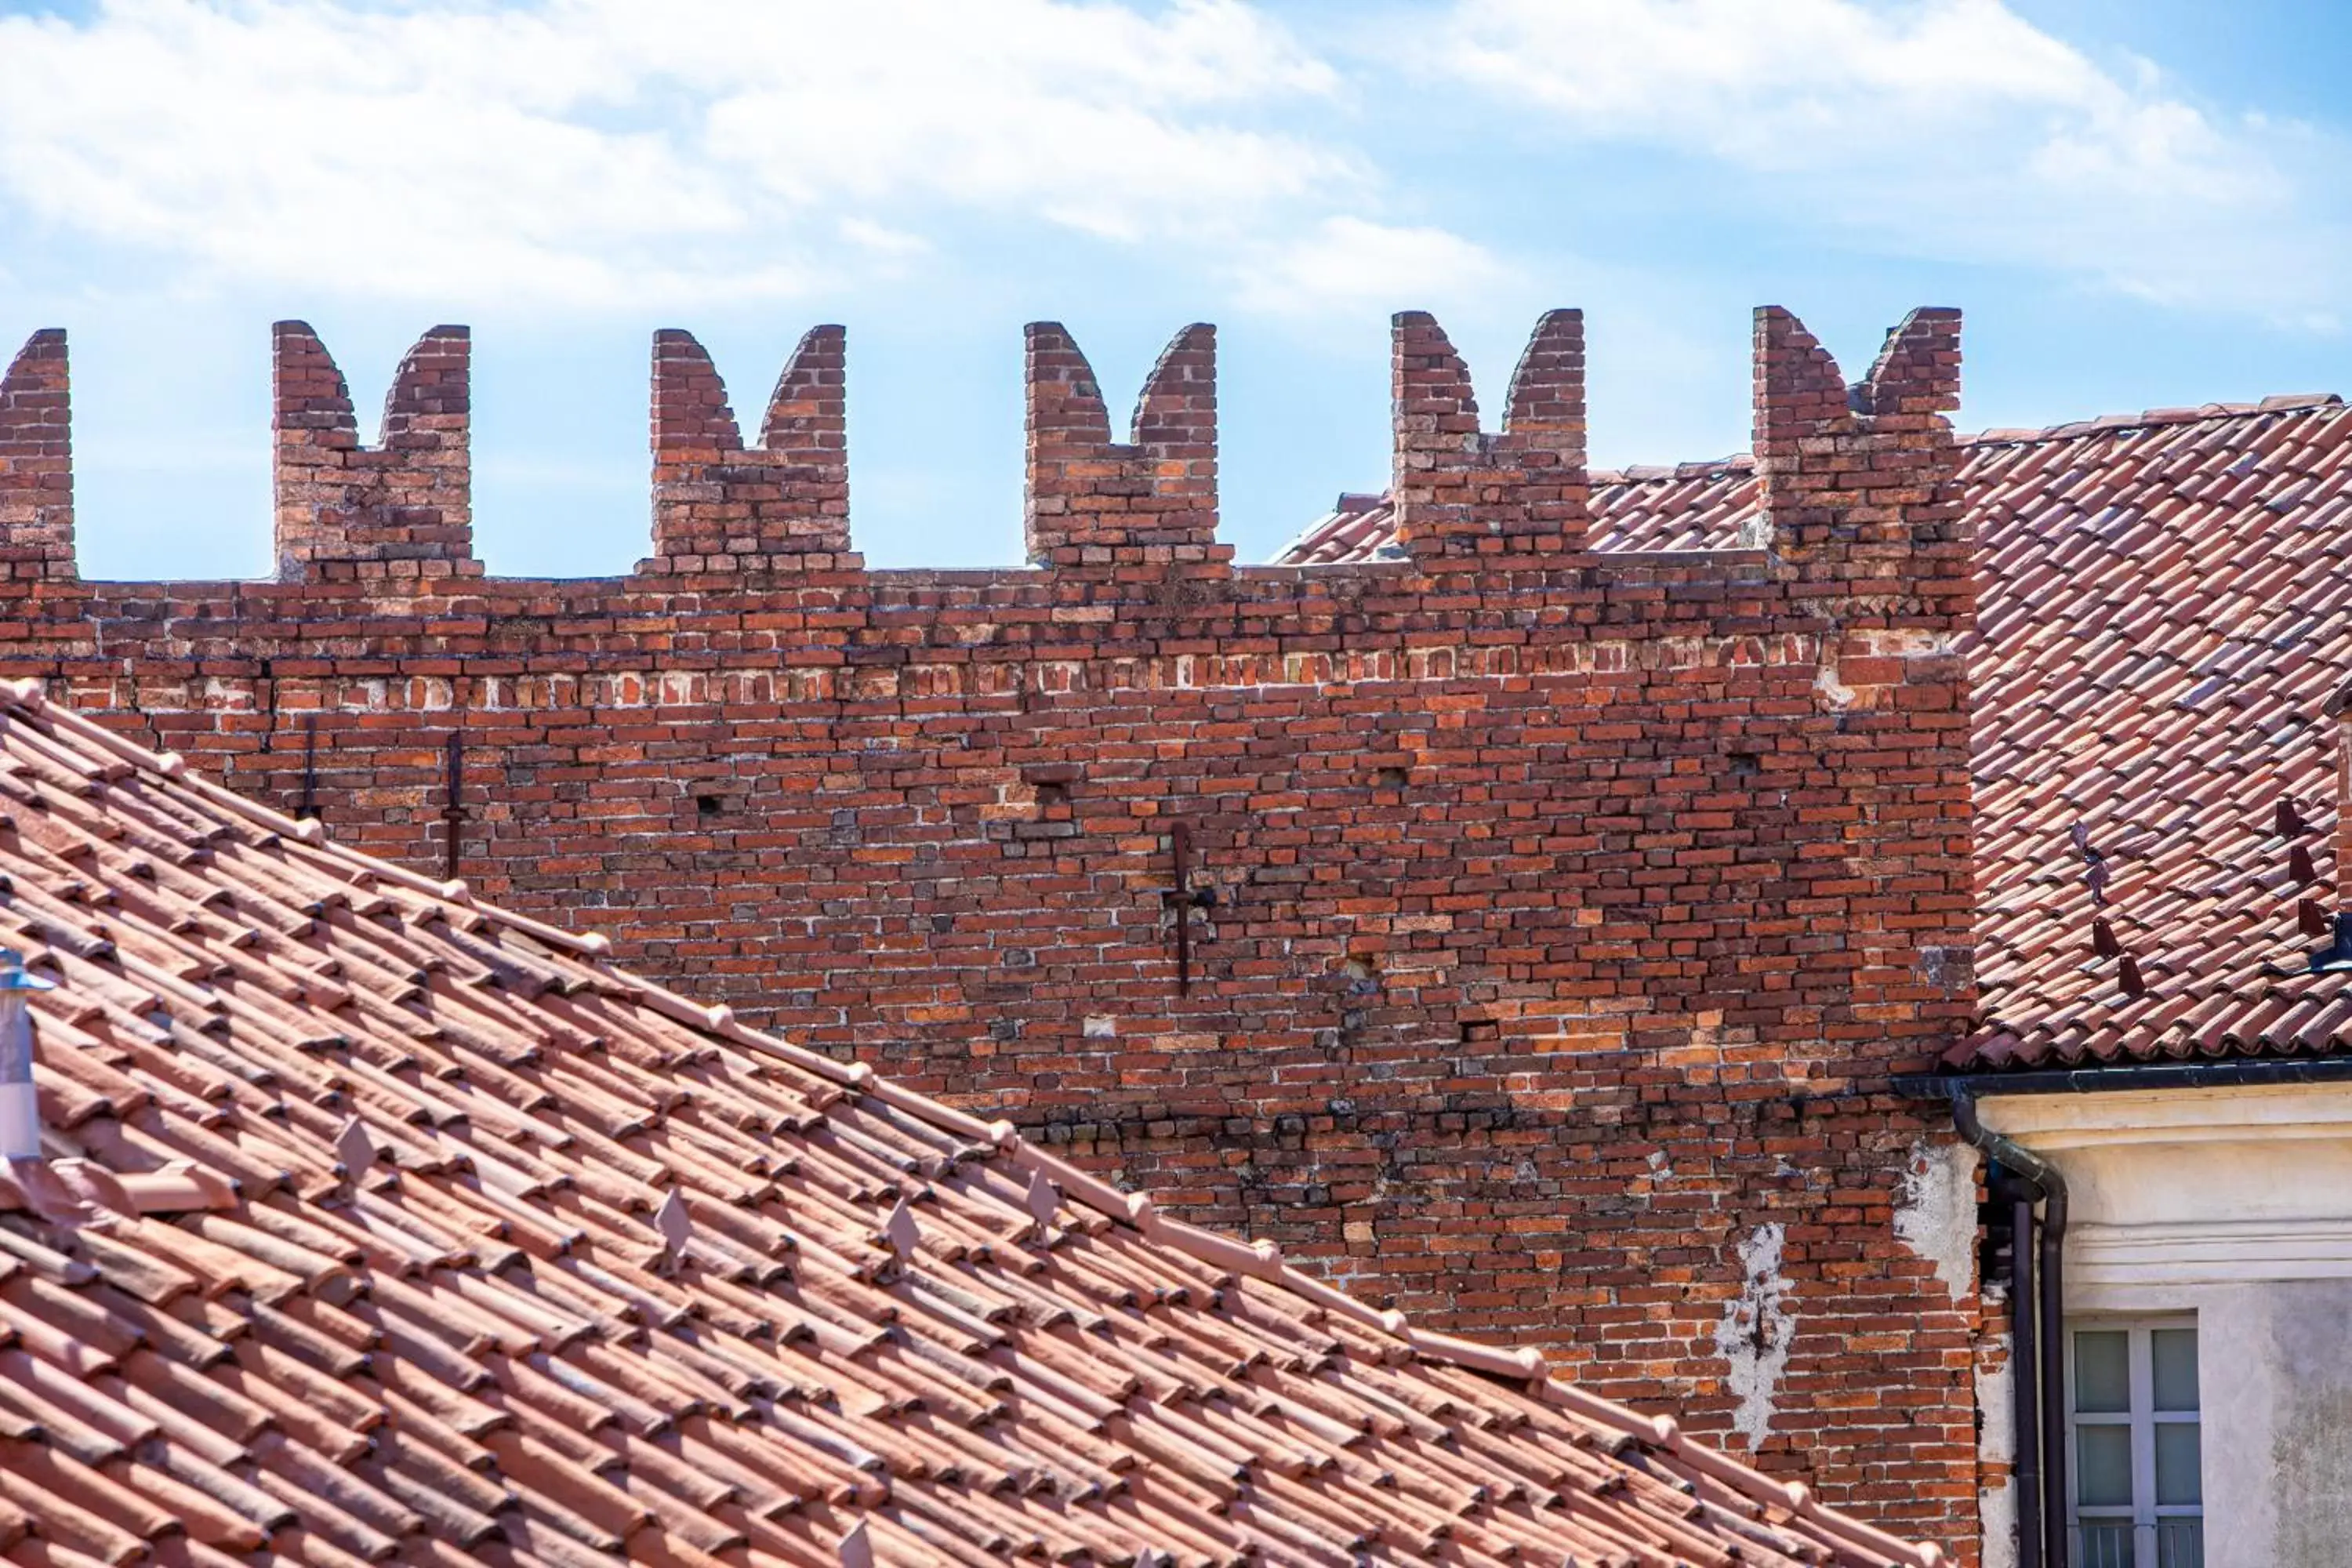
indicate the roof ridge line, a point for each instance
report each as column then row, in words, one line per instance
column 32, row 693
column 1696, row 468
column 2108, row 423
column 2094, row 424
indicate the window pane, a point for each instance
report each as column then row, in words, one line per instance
column 2107, row 1545
column 2178, row 1478
column 2103, row 1371
column 2175, row 1368
column 2103, row 1465
column 2180, row 1543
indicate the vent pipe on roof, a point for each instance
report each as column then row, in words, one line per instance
column 2128, row 976
column 20, row 1107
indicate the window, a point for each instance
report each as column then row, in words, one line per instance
column 2135, row 1486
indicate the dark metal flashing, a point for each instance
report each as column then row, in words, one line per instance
column 2129, row 1076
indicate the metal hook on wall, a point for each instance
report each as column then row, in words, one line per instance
column 309, row 807
column 453, row 812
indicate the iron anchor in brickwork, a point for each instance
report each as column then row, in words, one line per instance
column 1184, row 898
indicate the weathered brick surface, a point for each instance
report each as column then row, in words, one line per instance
column 388, row 514
column 1150, row 501
column 1461, row 492
column 37, row 463
column 783, row 505
column 1571, row 913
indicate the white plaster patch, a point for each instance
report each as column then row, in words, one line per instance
column 1834, row 691
column 1101, row 1026
column 1996, row 1445
column 1997, row 1524
column 1756, row 1332
column 1936, row 1218
column 1909, row 643
column 1996, row 1410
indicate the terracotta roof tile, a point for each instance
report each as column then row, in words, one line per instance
column 2165, row 600
column 2152, row 667
column 376, row 1224
column 1692, row 506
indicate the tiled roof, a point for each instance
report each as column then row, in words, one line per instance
column 1693, row 506
column 376, row 1224
column 2165, row 608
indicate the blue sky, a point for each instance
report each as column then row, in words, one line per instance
column 2137, row 203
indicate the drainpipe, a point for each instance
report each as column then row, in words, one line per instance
column 2025, row 1379
column 2053, row 1362
column 2043, row 1177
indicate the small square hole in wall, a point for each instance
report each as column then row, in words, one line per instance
column 708, row 806
column 1745, row 763
column 1053, row 794
column 1477, row 1031
column 1389, row 778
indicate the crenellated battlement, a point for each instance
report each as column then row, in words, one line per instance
column 1549, row 913
column 1464, row 492
column 1091, row 502
column 397, row 517
column 720, row 506
column 36, row 533
column 1859, row 482
column 397, row 514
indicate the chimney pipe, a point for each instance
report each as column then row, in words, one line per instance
column 20, row 1111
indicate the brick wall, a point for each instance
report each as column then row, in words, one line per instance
column 1556, row 918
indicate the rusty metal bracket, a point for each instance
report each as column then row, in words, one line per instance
column 453, row 812
column 1184, row 899
column 309, row 807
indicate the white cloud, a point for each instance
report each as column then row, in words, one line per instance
column 594, row 151
column 1770, row 85
column 1949, row 129
column 1349, row 264
column 880, row 239
column 603, row 153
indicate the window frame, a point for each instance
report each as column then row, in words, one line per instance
column 2141, row 1419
